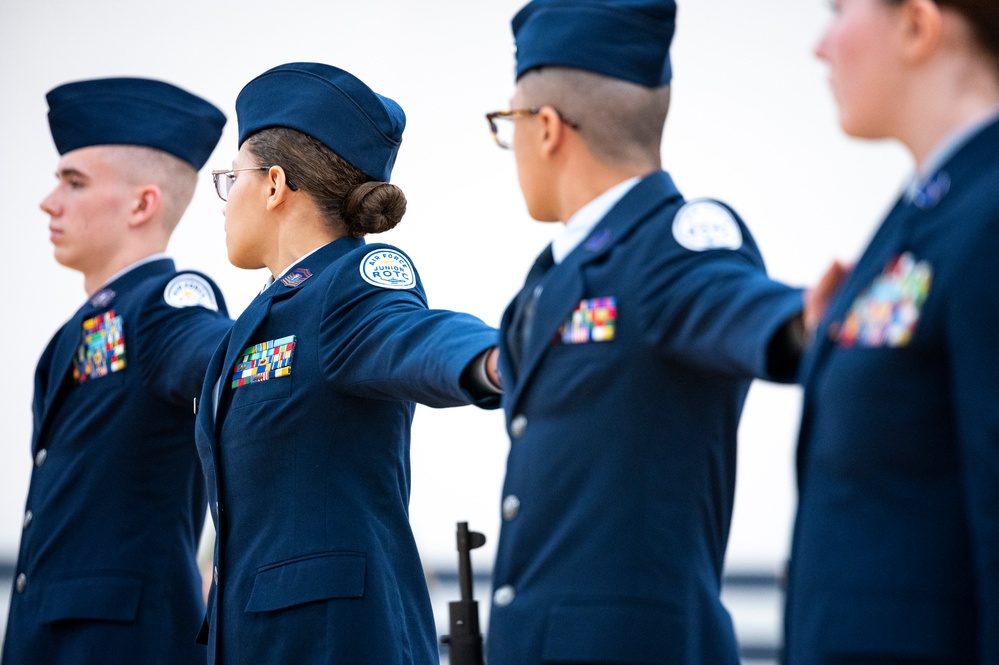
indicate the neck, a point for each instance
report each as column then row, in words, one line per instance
column 94, row 280
column 955, row 93
column 298, row 236
column 584, row 180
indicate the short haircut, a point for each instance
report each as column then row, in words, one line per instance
column 175, row 178
column 620, row 122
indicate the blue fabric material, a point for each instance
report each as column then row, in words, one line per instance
column 895, row 552
column 330, row 105
column 309, row 476
column 622, row 452
column 132, row 111
column 118, row 501
column 624, row 39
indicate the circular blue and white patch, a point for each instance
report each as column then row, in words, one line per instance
column 704, row 224
column 190, row 290
column 388, row 269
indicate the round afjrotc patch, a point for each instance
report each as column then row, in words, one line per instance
column 704, row 224
column 388, row 269
column 190, row 290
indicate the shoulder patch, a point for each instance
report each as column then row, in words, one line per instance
column 388, row 269
column 190, row 290
column 704, row 224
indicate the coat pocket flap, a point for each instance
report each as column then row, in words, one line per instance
column 104, row 598
column 307, row 579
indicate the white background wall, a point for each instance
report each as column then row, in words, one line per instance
column 752, row 123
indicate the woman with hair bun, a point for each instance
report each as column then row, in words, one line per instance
column 895, row 554
column 304, row 422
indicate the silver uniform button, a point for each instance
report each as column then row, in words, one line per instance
column 518, row 425
column 504, row 595
column 21, row 583
column 40, row 457
column 28, row 516
column 511, row 506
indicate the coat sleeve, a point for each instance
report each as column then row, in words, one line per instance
column 717, row 309
column 177, row 343
column 386, row 343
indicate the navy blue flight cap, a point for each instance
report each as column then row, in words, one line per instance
column 623, row 39
column 134, row 111
column 330, row 105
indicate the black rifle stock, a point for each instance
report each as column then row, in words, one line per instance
column 465, row 639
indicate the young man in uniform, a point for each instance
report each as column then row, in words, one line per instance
column 106, row 570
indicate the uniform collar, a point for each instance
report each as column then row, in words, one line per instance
column 271, row 279
column 942, row 153
column 133, row 266
column 586, row 218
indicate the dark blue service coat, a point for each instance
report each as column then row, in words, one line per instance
column 895, row 552
column 622, row 414
column 106, row 571
column 315, row 558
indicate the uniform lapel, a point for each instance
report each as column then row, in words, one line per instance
column 300, row 278
column 513, row 323
column 71, row 334
column 564, row 284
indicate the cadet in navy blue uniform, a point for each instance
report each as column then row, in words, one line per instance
column 895, row 553
column 106, row 571
column 304, row 429
column 625, row 359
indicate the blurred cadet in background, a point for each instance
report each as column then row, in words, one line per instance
column 895, row 553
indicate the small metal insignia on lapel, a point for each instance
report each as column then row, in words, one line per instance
column 296, row 277
column 102, row 297
column 598, row 240
column 932, row 191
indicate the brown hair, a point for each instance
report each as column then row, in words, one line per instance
column 350, row 199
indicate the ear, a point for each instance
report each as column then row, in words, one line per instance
column 278, row 189
column 553, row 130
column 146, row 204
column 921, row 30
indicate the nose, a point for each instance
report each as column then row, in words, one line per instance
column 821, row 48
column 50, row 205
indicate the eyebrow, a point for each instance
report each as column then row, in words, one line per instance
column 70, row 173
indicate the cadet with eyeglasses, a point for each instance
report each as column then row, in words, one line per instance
column 304, row 429
column 626, row 358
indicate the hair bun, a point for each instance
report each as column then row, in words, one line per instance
column 374, row 207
